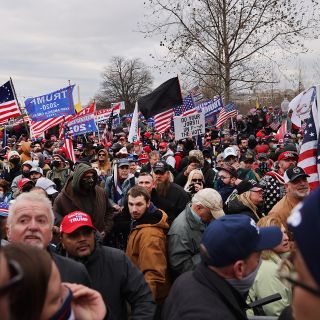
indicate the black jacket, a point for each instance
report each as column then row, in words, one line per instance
column 118, row 281
column 71, row 271
column 173, row 203
column 203, row 295
column 235, row 206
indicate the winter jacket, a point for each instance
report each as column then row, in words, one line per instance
column 71, row 271
column 125, row 186
column 59, row 176
column 184, row 239
column 235, row 206
column 73, row 197
column 147, row 250
column 173, row 203
column 282, row 210
column 203, row 294
column 266, row 283
column 25, row 148
column 119, row 281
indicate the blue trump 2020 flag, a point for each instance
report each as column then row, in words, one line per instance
column 51, row 105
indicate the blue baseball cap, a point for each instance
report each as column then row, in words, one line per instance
column 304, row 223
column 234, row 237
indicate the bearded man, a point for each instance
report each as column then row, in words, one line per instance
column 169, row 191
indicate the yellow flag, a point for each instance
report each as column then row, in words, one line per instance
column 78, row 107
column 257, row 104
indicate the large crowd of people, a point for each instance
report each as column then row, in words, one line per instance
column 200, row 228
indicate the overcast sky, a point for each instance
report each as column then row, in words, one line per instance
column 45, row 43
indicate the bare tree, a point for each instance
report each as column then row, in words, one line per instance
column 124, row 80
column 229, row 44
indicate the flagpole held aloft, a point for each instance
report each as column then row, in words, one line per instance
column 15, row 96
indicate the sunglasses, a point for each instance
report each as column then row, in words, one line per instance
column 101, row 155
column 16, row 277
column 197, row 180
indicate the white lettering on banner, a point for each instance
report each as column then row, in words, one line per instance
column 50, row 97
column 189, row 125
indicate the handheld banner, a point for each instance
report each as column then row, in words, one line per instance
column 186, row 126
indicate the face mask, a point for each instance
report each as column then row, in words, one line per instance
column 1, row 194
column 36, row 162
column 243, row 285
column 15, row 160
column 196, row 217
column 88, row 184
column 26, row 174
column 65, row 312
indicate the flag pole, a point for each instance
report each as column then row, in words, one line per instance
column 19, row 106
column 97, row 123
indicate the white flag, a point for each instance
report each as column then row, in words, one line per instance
column 133, row 133
column 301, row 105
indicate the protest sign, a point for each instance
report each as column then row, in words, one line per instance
column 191, row 125
column 51, row 105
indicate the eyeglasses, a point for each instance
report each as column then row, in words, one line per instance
column 224, row 178
column 17, row 276
column 289, row 276
column 197, row 180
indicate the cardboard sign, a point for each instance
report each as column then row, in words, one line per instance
column 187, row 126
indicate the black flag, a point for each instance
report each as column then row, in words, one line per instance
column 161, row 99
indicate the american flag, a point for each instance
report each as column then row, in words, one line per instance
column 68, row 145
column 163, row 120
column 282, row 130
column 186, row 108
column 39, row 127
column 107, row 133
column 4, row 209
column 227, row 112
column 309, row 157
column 9, row 107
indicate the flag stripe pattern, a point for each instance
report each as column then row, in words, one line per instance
column 9, row 107
column 282, row 130
column 162, row 121
column 227, row 112
column 309, row 156
column 39, row 127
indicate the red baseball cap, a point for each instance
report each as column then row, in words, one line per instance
column 143, row 158
column 74, row 221
column 24, row 181
column 288, row 155
column 163, row 144
column 137, row 143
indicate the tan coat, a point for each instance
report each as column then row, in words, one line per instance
column 282, row 210
column 147, row 250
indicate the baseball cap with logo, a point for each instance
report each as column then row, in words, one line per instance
column 210, row 199
column 288, row 155
column 293, row 173
column 229, row 152
column 234, row 237
column 160, row 166
column 74, row 221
